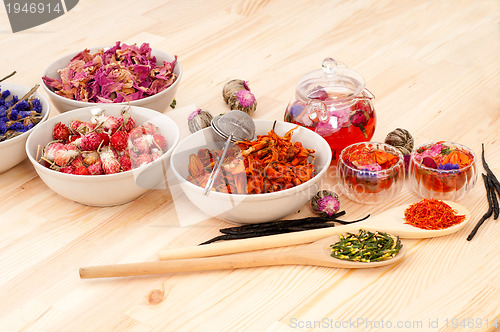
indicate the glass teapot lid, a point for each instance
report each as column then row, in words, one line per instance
column 334, row 81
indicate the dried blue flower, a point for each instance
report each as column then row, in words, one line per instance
column 22, row 106
column 13, row 114
column 18, row 116
column 16, row 126
column 449, row 166
column 3, row 127
column 37, row 106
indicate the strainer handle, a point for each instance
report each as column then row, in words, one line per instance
column 217, row 166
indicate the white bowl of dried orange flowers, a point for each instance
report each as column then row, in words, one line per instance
column 261, row 180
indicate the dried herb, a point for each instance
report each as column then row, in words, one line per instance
column 122, row 73
column 173, row 103
column 280, row 227
column 444, row 156
column 24, row 98
column 491, row 185
column 268, row 164
column 432, row 214
column 366, row 246
column 17, row 116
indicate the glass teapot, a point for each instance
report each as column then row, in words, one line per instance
column 334, row 102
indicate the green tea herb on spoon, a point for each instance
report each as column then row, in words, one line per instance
column 366, row 246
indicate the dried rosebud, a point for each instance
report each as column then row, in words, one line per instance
column 406, row 159
column 429, row 162
column 360, row 119
column 198, row 120
column 325, row 203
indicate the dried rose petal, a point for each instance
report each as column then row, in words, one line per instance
column 122, row 73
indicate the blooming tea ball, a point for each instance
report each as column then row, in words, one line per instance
column 198, row 120
column 325, row 203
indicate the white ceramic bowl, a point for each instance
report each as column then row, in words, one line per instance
column 159, row 102
column 248, row 209
column 12, row 151
column 110, row 189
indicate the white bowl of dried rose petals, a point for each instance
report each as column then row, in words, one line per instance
column 122, row 74
column 103, row 155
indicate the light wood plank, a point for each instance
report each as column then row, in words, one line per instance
column 434, row 67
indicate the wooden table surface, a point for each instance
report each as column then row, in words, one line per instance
column 434, row 67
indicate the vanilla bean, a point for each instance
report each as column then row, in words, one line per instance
column 494, row 199
column 342, row 222
column 270, row 224
column 279, row 227
column 287, row 224
column 10, row 75
column 489, row 172
column 310, row 226
column 494, row 185
column 488, row 213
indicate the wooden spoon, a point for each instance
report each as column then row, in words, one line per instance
column 316, row 253
column 390, row 221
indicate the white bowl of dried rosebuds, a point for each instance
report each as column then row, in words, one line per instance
column 121, row 74
column 18, row 119
column 103, row 155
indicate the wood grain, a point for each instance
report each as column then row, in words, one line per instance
column 434, row 67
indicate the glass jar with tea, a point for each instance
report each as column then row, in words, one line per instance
column 334, row 102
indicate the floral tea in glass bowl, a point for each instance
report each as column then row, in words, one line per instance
column 443, row 170
column 370, row 172
column 334, row 103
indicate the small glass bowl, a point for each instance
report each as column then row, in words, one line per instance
column 370, row 187
column 451, row 185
